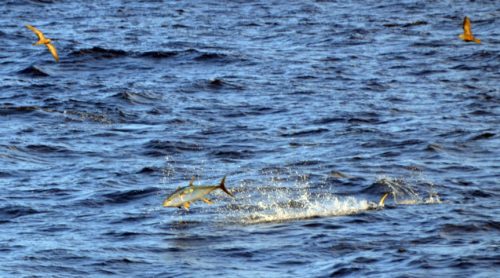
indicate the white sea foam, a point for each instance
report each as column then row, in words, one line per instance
column 325, row 207
column 277, row 203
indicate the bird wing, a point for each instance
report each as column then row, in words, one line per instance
column 53, row 51
column 36, row 31
column 466, row 25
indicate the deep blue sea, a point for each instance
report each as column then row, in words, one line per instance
column 312, row 109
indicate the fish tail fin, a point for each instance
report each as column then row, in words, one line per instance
column 477, row 40
column 382, row 200
column 223, row 186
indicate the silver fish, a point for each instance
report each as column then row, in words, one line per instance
column 183, row 197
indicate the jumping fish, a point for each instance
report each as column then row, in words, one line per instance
column 467, row 35
column 183, row 197
column 43, row 40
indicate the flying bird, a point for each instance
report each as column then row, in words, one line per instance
column 467, row 35
column 43, row 40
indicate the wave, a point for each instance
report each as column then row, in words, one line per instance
column 162, row 148
column 305, row 132
column 129, row 195
column 9, row 212
column 34, row 71
column 406, row 25
column 42, row 148
column 74, row 115
column 213, row 84
column 233, row 154
column 328, row 120
column 8, row 109
column 463, row 228
column 138, row 97
column 483, row 136
column 434, row 43
column 483, row 55
column 97, row 52
column 42, row 1
column 210, row 57
column 159, row 54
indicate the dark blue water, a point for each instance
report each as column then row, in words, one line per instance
column 312, row 109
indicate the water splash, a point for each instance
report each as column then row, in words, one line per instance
column 405, row 192
column 277, row 203
column 324, row 207
column 282, row 200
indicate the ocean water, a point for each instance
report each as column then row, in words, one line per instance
column 313, row 110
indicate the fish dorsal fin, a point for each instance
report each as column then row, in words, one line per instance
column 191, row 181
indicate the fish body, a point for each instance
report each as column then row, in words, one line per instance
column 467, row 35
column 183, row 197
column 45, row 41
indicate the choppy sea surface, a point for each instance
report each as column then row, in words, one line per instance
column 313, row 110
